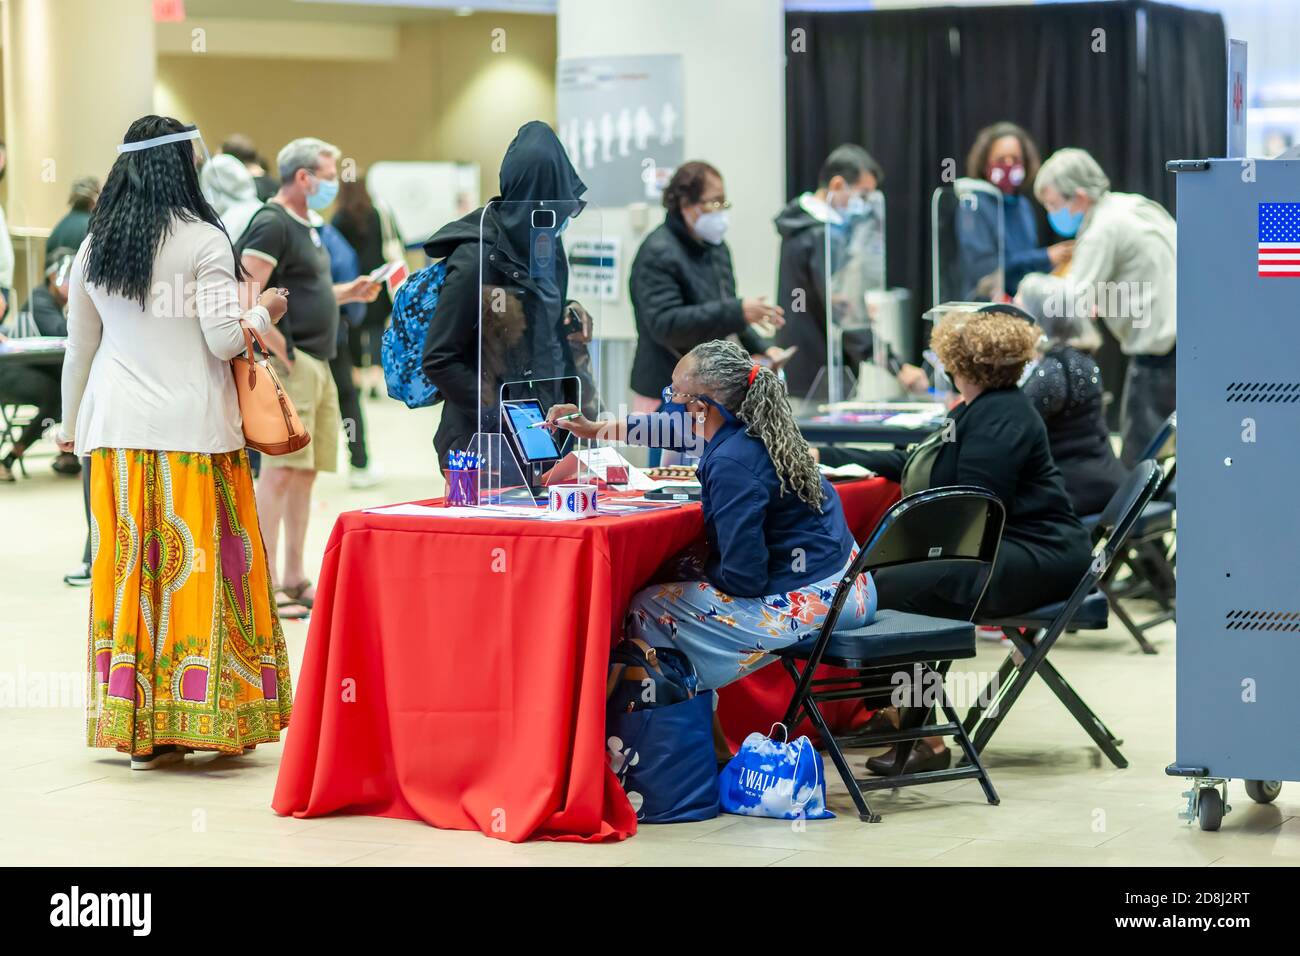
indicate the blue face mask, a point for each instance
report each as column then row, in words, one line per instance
column 856, row 206
column 324, row 194
column 677, row 408
column 1064, row 222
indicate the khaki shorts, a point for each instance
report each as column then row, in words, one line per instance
column 311, row 388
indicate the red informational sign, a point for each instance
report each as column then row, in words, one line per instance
column 168, row 11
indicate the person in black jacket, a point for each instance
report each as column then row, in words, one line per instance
column 1065, row 387
column 521, row 300
column 998, row 442
column 36, row 384
column 842, row 205
column 683, row 286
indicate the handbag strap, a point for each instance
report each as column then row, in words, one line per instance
column 251, row 336
column 649, row 653
column 622, row 672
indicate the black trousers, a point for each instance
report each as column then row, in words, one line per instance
column 354, row 426
column 33, row 385
column 1150, row 390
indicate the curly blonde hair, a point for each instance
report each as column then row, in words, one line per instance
column 987, row 349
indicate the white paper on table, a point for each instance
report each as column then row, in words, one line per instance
column 910, row 419
column 850, row 470
column 461, row 511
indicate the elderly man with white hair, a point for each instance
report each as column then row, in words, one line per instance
column 282, row 247
column 1124, row 272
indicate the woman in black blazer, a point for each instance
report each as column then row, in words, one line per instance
column 997, row 441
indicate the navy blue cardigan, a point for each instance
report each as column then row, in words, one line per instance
column 762, row 541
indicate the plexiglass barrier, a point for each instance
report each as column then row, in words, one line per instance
column 538, row 346
column 968, row 242
column 854, row 270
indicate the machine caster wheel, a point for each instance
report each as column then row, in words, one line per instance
column 1263, row 791
column 1209, row 809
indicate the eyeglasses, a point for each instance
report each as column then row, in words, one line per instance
column 676, row 398
column 716, row 205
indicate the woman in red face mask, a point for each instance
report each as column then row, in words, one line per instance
column 996, row 227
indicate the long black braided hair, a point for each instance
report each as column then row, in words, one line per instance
column 145, row 190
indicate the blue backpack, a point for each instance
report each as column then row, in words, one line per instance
column 402, row 352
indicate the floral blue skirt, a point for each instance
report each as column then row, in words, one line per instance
column 729, row 637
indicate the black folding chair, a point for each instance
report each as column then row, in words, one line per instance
column 12, row 423
column 1033, row 634
column 940, row 528
column 1149, row 556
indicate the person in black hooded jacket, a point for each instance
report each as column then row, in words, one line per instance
column 683, row 287
column 848, row 178
column 524, row 336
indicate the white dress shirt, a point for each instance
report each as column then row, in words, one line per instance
column 158, row 378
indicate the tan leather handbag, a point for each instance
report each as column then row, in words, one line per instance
column 271, row 423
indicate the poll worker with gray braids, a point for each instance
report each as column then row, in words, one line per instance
column 777, row 539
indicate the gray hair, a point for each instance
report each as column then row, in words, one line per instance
column 723, row 368
column 1047, row 299
column 304, row 153
column 225, row 180
column 1069, row 170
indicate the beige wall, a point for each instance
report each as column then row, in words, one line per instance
column 446, row 95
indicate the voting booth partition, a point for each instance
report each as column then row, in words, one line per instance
column 853, row 267
column 966, row 261
column 1238, row 532
column 538, row 346
column 864, row 318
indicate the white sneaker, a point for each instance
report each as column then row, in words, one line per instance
column 78, row 578
column 369, row 477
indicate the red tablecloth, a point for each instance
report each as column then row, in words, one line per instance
column 455, row 669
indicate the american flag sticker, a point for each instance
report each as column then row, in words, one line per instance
column 1279, row 239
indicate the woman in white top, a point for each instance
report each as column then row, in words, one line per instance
column 185, row 647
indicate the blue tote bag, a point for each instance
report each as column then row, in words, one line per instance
column 775, row 778
column 663, row 757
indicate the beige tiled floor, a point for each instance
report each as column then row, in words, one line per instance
column 61, row 803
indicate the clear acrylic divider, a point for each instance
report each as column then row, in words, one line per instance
column 957, row 217
column 544, row 269
column 854, row 267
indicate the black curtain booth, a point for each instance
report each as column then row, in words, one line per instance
column 915, row 86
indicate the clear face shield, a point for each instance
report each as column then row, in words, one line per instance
column 201, row 154
column 60, row 272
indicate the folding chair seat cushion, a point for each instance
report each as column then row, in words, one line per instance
column 1092, row 615
column 894, row 637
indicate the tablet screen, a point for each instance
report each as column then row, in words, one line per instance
column 537, row 444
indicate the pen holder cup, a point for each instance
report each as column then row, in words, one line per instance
column 462, row 488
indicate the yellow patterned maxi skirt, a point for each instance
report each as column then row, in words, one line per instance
column 185, row 642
